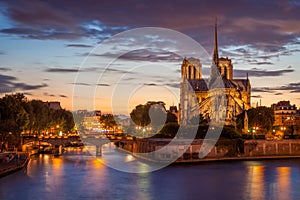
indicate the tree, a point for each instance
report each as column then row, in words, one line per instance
column 62, row 120
column 142, row 115
column 171, row 118
column 39, row 116
column 108, row 120
column 262, row 118
column 17, row 114
column 13, row 117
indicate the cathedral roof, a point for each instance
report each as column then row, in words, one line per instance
column 198, row 85
column 240, row 84
column 201, row 84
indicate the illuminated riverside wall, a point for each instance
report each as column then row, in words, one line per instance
column 234, row 148
column 272, row 148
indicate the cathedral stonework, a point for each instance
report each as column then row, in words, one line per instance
column 196, row 95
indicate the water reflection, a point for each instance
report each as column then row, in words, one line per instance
column 283, row 183
column 255, row 182
column 77, row 175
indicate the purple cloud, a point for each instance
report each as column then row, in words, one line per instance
column 241, row 22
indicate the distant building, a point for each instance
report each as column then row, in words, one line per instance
column 197, row 98
column 55, row 105
column 174, row 111
column 285, row 114
column 286, row 118
column 91, row 120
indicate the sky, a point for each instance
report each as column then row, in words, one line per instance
column 112, row 55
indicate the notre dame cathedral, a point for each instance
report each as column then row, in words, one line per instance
column 197, row 95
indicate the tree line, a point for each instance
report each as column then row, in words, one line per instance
column 262, row 118
column 33, row 117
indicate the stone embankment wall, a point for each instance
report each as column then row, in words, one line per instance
column 183, row 151
column 272, row 148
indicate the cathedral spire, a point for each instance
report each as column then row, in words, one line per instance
column 216, row 54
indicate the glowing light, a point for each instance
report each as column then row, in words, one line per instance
column 129, row 158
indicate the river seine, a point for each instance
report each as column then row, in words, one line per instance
column 77, row 175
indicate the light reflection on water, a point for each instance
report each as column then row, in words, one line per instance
column 77, row 175
column 255, row 182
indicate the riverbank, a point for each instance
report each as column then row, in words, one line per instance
column 182, row 151
column 12, row 162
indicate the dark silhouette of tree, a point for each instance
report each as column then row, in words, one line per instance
column 17, row 114
column 171, row 118
column 261, row 117
column 142, row 115
column 39, row 115
column 13, row 116
column 108, row 120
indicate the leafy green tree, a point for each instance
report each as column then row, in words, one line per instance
column 62, row 120
column 39, row 114
column 261, row 117
column 17, row 114
column 108, row 120
column 171, row 118
column 142, row 115
column 13, row 117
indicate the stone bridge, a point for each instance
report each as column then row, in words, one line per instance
column 54, row 140
column 93, row 140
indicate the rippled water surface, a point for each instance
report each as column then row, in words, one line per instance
column 77, row 175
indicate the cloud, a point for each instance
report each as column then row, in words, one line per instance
column 263, row 63
column 63, row 96
column 59, row 70
column 5, row 69
column 89, row 69
column 103, row 84
column 82, row 84
column 9, row 84
column 88, row 84
column 27, row 93
column 24, row 86
column 256, row 96
column 254, row 72
column 49, row 95
column 291, row 87
column 76, row 19
column 261, row 89
column 174, row 85
column 79, row 45
column 150, row 84
column 30, row 33
column 151, row 55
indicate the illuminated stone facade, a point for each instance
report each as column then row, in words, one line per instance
column 197, row 95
